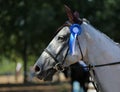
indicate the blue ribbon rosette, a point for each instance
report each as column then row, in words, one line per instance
column 75, row 30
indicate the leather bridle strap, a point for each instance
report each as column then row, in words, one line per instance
column 80, row 48
column 58, row 64
column 48, row 52
column 90, row 67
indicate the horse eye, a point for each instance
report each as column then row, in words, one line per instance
column 61, row 38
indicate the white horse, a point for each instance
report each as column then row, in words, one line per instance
column 92, row 46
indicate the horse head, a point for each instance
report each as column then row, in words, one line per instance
column 60, row 52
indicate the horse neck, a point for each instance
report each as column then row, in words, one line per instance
column 102, row 50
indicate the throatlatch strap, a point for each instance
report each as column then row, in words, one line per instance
column 94, row 80
column 80, row 49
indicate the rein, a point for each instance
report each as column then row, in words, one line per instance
column 90, row 67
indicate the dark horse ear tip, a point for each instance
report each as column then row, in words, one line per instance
column 69, row 13
column 76, row 14
column 73, row 17
column 66, row 6
column 67, row 9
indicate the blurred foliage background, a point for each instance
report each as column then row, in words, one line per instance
column 26, row 26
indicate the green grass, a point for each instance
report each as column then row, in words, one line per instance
column 7, row 67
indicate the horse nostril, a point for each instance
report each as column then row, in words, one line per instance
column 37, row 69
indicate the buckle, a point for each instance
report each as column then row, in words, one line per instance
column 59, row 67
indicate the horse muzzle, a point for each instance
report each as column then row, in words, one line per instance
column 45, row 75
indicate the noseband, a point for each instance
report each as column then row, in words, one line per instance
column 58, row 65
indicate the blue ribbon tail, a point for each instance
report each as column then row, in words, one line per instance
column 72, row 43
column 75, row 30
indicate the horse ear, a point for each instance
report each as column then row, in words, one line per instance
column 76, row 15
column 73, row 17
column 69, row 14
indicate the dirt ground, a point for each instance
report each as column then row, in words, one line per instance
column 5, row 79
column 63, row 87
column 10, row 84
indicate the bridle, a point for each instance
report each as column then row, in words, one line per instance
column 58, row 64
